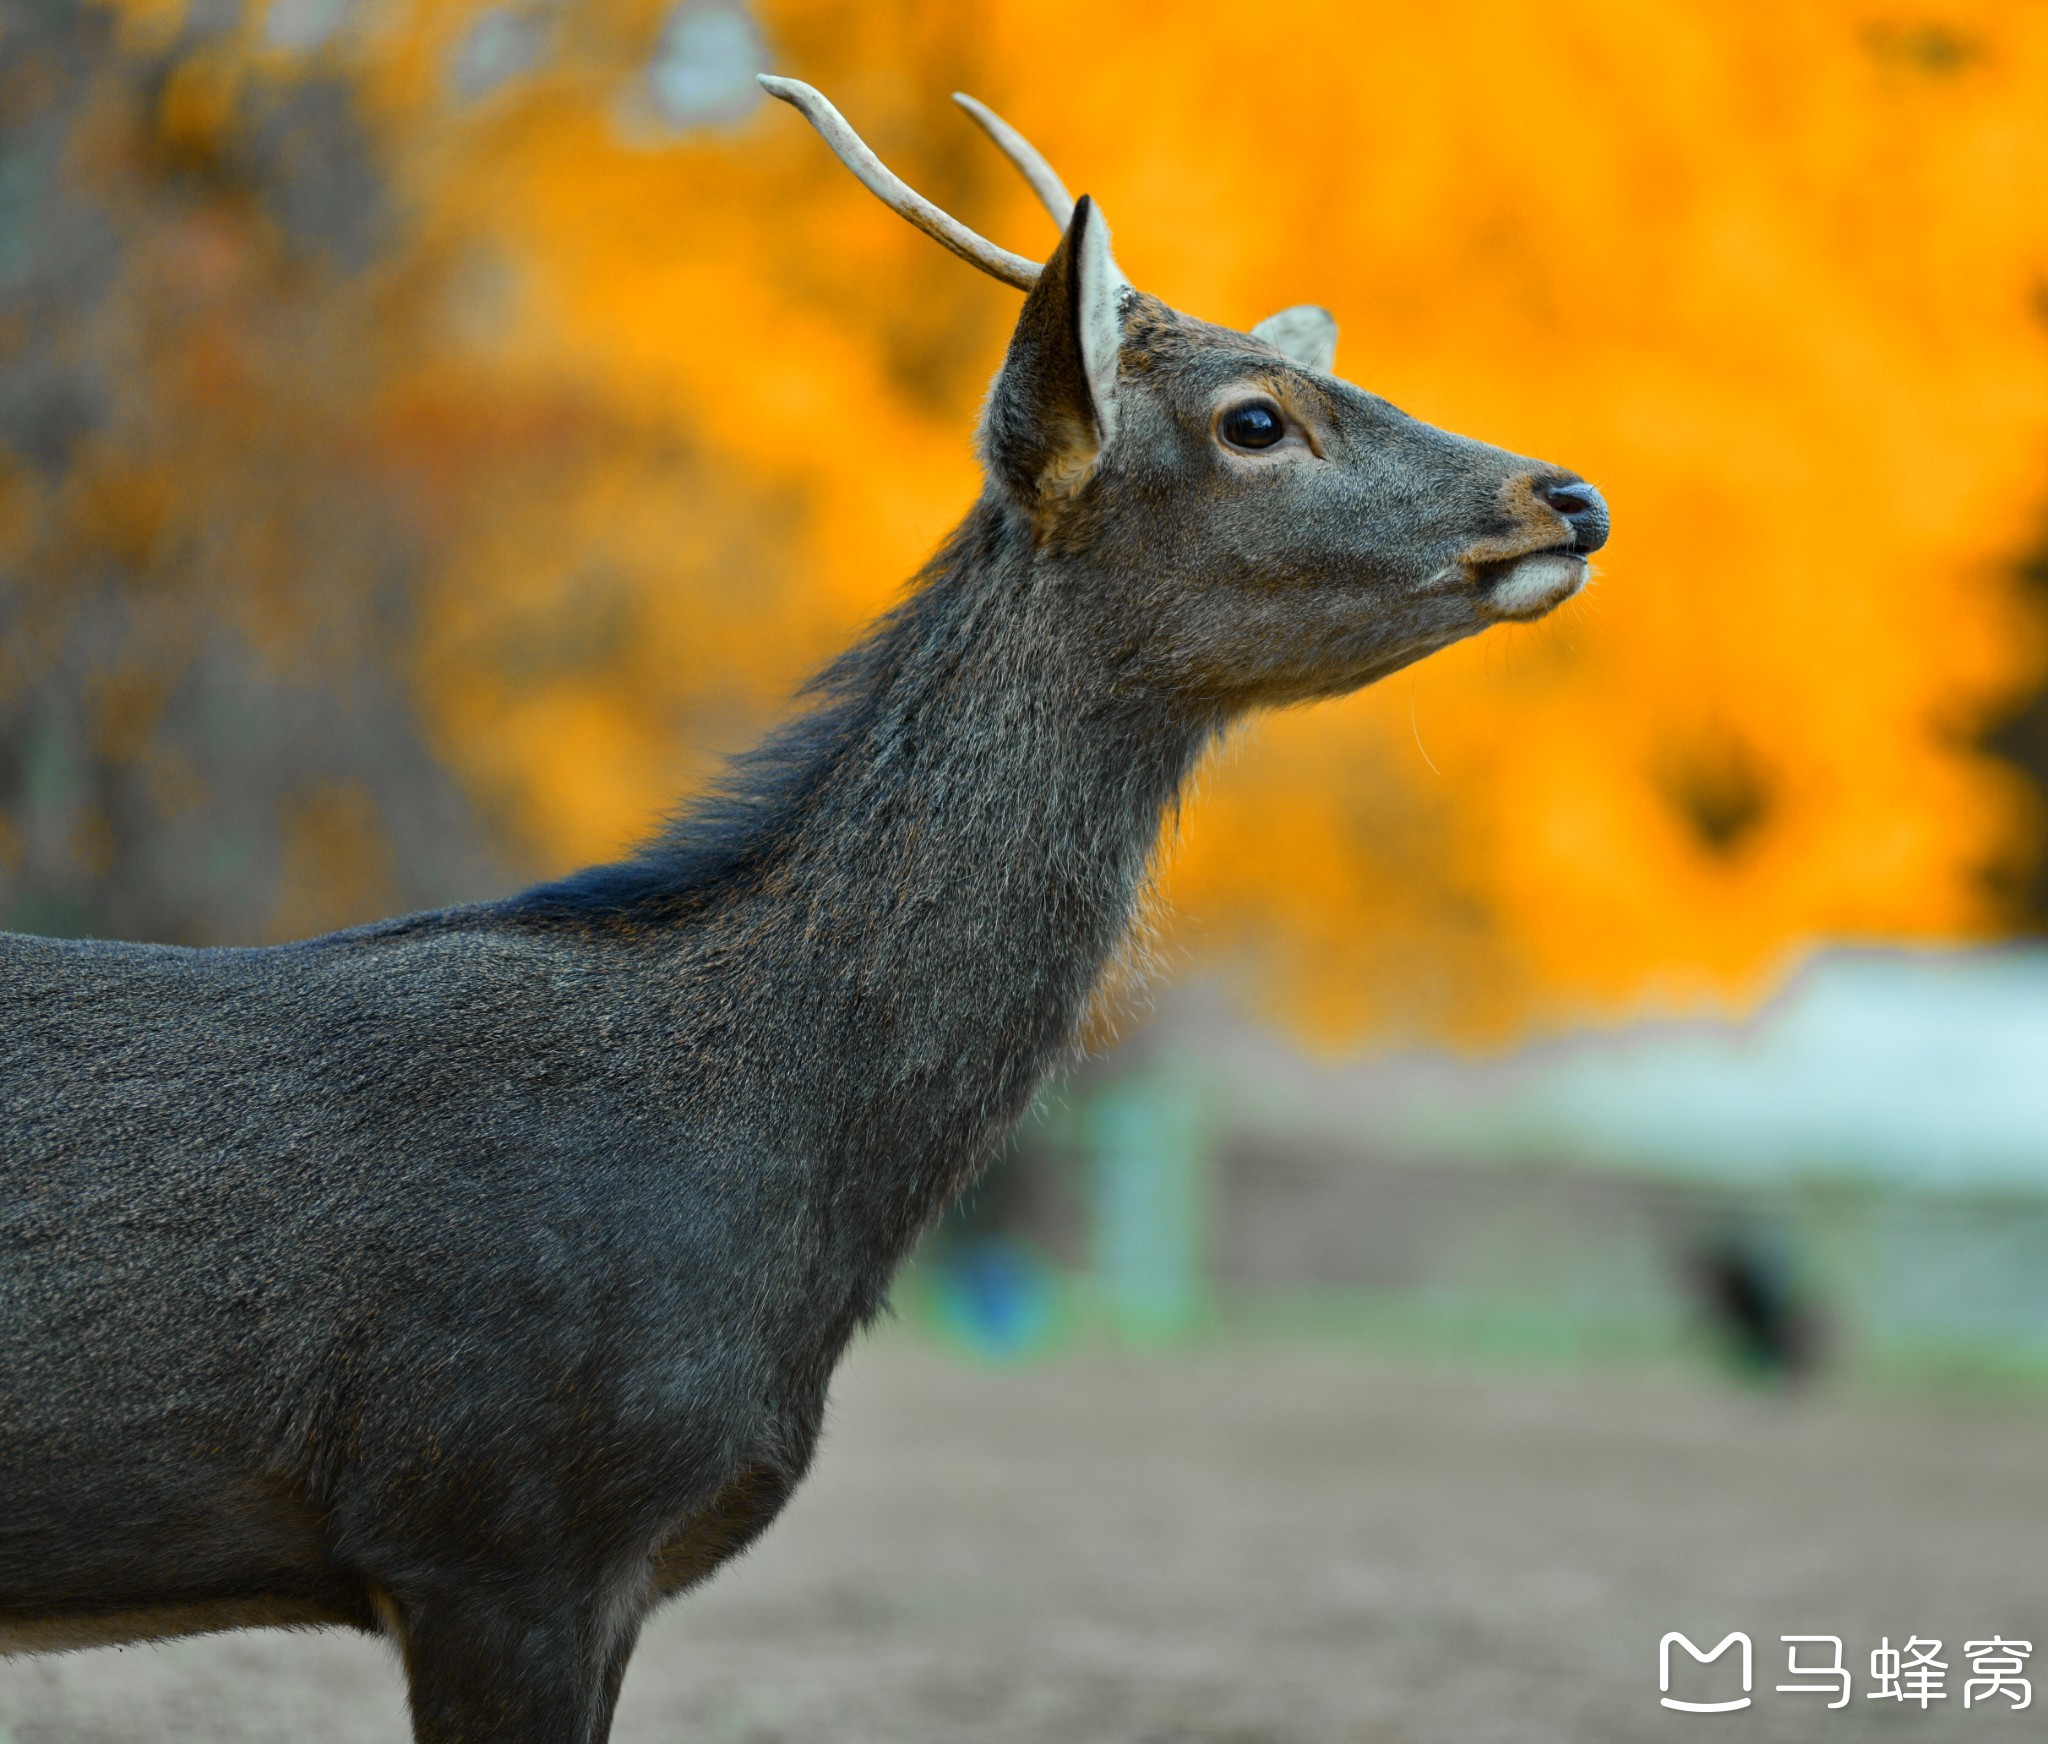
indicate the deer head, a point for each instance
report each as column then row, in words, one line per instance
column 1274, row 532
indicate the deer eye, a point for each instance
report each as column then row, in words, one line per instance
column 1257, row 425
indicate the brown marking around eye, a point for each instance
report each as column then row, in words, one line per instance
column 1305, row 405
column 1297, row 399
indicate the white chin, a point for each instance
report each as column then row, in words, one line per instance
column 1536, row 585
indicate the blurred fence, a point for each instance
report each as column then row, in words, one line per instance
column 1479, row 1259
column 1213, row 1183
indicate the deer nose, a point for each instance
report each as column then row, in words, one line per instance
column 1584, row 510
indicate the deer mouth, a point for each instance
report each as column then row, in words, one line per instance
column 1517, row 589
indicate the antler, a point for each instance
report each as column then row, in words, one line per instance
column 1044, row 179
column 899, row 196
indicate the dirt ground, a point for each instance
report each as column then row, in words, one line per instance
column 1254, row 1546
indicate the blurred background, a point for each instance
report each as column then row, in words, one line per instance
column 1590, row 1113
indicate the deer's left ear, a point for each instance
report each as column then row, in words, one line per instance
column 1054, row 406
column 1305, row 333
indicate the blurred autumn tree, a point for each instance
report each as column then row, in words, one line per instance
column 435, row 430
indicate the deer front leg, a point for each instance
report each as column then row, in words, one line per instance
column 489, row 1670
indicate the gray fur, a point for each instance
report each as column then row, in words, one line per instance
column 478, row 1276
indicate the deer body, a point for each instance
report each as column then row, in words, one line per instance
column 612, row 1165
column 478, row 1277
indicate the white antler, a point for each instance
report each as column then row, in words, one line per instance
column 898, row 195
column 1031, row 165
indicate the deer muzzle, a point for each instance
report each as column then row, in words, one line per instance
column 1557, row 522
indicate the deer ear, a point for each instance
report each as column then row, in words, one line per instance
column 1305, row 333
column 1054, row 408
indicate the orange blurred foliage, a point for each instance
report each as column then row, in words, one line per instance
column 670, row 413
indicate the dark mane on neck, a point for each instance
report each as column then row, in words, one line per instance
column 720, row 843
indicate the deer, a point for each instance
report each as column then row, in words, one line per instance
column 476, row 1278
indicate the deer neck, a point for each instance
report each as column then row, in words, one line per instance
column 969, row 862
column 873, row 944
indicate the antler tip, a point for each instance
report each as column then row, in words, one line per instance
column 1043, row 179
column 892, row 190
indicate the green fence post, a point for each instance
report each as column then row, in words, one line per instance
column 1144, row 1140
